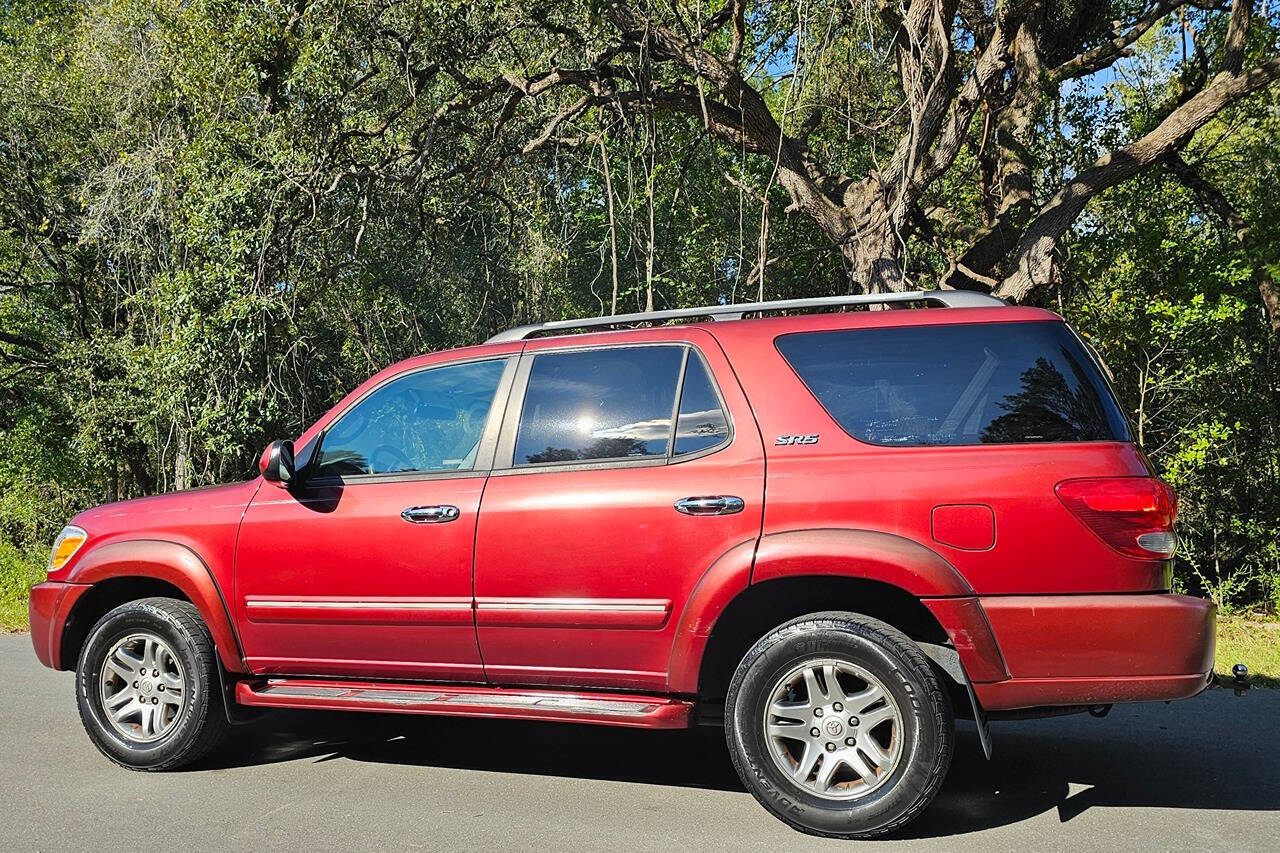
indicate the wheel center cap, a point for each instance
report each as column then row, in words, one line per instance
column 834, row 727
column 145, row 688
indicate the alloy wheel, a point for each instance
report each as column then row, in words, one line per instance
column 142, row 688
column 834, row 729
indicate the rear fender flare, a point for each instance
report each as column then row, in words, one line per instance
column 864, row 554
column 867, row 554
column 899, row 562
column 729, row 575
column 175, row 564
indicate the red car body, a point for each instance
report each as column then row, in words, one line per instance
column 582, row 579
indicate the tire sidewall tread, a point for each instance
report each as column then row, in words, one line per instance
column 907, row 674
column 203, row 722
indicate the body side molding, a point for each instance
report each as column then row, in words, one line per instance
column 374, row 611
column 615, row 613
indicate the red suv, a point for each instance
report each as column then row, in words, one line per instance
column 832, row 531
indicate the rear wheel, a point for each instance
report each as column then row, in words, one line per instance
column 147, row 685
column 838, row 725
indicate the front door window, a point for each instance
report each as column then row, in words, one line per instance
column 427, row 421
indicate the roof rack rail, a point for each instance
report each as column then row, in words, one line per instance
column 946, row 298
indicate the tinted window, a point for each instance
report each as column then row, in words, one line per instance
column 599, row 404
column 987, row 383
column 702, row 422
column 430, row 420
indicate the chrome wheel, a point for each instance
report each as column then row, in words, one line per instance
column 142, row 688
column 834, row 729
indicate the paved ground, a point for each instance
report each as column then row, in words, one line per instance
column 1200, row 774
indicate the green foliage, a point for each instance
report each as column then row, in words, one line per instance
column 1165, row 293
column 216, row 218
column 18, row 572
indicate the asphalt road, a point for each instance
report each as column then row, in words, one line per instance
column 1199, row 774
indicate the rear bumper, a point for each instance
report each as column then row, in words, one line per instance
column 1098, row 649
column 1052, row 692
column 50, row 604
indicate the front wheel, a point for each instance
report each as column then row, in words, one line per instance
column 839, row 726
column 147, row 685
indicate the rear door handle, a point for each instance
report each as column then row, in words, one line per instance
column 430, row 514
column 710, row 505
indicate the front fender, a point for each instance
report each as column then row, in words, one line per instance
column 172, row 563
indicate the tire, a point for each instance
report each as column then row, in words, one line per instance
column 886, row 766
column 168, row 713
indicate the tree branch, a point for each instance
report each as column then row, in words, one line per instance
column 566, row 114
column 927, row 72
column 739, row 31
column 26, row 343
column 986, row 76
column 1115, row 48
column 742, row 116
column 1033, row 262
column 1237, row 36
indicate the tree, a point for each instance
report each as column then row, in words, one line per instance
column 967, row 78
column 216, row 218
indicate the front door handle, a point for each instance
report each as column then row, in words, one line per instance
column 710, row 505
column 430, row 514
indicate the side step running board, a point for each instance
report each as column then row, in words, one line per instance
column 609, row 709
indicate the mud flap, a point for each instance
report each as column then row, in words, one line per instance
column 948, row 659
column 979, row 719
column 236, row 714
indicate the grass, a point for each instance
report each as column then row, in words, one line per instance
column 1249, row 638
column 18, row 571
column 1253, row 640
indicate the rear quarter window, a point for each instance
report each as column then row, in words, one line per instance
column 979, row 383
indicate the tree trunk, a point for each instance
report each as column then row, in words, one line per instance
column 875, row 263
column 181, row 466
column 863, row 231
column 1011, row 138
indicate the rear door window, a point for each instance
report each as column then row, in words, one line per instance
column 701, row 424
column 979, row 383
column 594, row 405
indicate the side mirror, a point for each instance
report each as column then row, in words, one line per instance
column 276, row 463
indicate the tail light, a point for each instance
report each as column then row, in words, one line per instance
column 1134, row 515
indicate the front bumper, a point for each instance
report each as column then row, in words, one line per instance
column 1099, row 649
column 50, row 604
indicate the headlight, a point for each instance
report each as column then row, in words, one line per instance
column 65, row 546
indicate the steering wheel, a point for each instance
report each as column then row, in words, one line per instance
column 396, row 454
